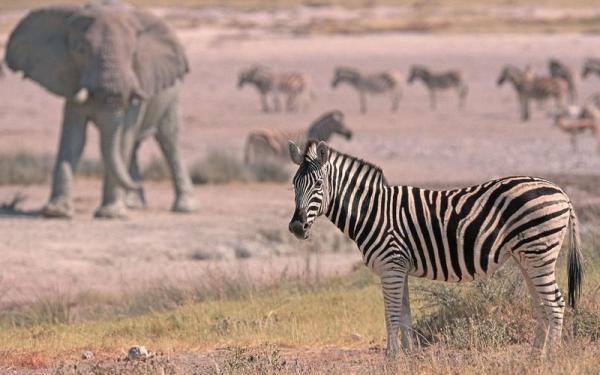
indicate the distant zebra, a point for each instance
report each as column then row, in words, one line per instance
column 263, row 144
column 387, row 82
column 560, row 70
column 531, row 87
column 590, row 66
column 434, row 82
column 456, row 235
column 293, row 85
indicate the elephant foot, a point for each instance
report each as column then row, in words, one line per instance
column 111, row 211
column 184, row 203
column 61, row 208
column 135, row 200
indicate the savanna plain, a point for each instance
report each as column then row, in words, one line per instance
column 227, row 289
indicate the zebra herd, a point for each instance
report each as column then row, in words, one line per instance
column 297, row 87
column 457, row 235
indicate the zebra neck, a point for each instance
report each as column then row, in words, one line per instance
column 356, row 189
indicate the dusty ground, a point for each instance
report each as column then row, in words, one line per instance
column 242, row 228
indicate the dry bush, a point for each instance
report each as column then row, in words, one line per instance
column 24, row 167
column 156, row 170
column 219, row 168
column 491, row 314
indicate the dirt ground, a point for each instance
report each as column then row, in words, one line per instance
column 243, row 227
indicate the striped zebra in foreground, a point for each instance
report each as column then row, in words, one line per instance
column 387, row 82
column 454, row 235
column 451, row 79
column 560, row 70
column 272, row 144
column 531, row 87
column 590, row 66
column 294, row 86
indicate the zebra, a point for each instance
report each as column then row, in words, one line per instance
column 560, row 70
column 272, row 143
column 456, row 235
column 531, row 87
column 590, row 66
column 386, row 82
column 451, row 79
column 292, row 85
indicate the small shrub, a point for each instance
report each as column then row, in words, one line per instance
column 24, row 168
column 90, row 168
column 220, row 168
column 269, row 171
column 156, row 170
column 201, row 254
column 217, row 168
column 586, row 323
column 490, row 314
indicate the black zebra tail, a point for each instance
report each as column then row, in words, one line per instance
column 575, row 262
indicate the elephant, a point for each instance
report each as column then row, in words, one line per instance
column 120, row 68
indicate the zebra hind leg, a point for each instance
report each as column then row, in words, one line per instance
column 406, row 331
column 539, row 265
column 541, row 329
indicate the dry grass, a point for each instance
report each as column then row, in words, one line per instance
column 24, row 167
column 468, row 326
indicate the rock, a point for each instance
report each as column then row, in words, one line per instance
column 136, row 352
column 356, row 336
column 87, row 355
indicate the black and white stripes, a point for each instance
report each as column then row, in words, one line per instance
column 452, row 235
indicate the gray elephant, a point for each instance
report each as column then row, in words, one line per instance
column 118, row 67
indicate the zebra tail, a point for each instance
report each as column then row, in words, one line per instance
column 575, row 262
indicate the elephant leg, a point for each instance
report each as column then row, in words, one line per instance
column 167, row 137
column 135, row 199
column 72, row 142
column 118, row 144
column 113, row 202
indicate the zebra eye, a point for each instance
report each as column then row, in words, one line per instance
column 318, row 184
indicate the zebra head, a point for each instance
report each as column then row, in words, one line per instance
column 417, row 71
column 344, row 74
column 249, row 75
column 509, row 73
column 589, row 66
column 311, row 186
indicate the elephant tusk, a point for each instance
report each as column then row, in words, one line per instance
column 81, row 96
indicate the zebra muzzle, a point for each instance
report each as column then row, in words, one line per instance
column 299, row 225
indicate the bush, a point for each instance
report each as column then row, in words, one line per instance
column 219, row 168
column 24, row 168
column 490, row 314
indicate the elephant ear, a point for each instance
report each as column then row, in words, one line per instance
column 38, row 48
column 160, row 58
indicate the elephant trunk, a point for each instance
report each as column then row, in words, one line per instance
column 111, row 141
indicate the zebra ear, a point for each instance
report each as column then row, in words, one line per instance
column 295, row 153
column 322, row 152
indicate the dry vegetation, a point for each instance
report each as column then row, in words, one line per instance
column 26, row 168
column 264, row 328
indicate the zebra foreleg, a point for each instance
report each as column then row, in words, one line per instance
column 396, row 96
column 406, row 331
column 363, row 102
column 393, row 281
column 264, row 102
column 432, row 101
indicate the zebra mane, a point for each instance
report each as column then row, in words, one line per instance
column 311, row 145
